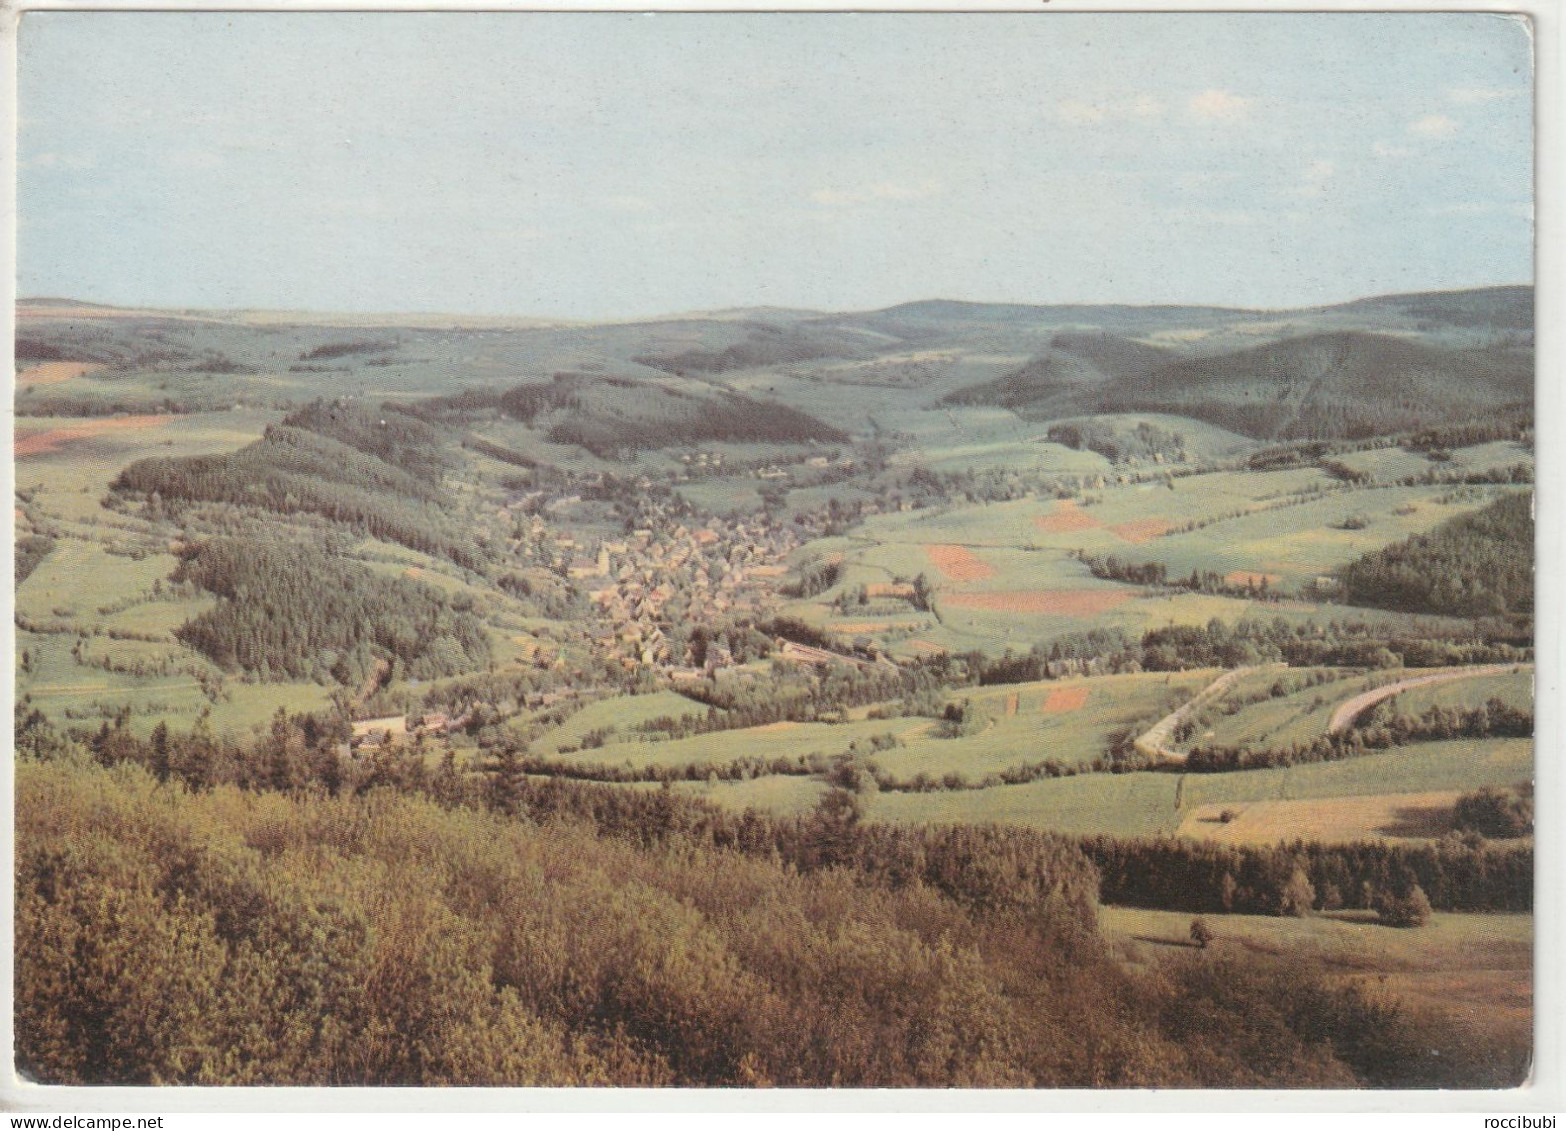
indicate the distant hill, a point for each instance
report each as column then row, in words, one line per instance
column 612, row 416
column 1509, row 308
column 1344, row 384
column 1075, row 365
column 764, row 344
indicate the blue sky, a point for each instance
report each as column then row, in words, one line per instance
column 604, row 166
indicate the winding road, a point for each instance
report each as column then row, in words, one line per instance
column 1151, row 742
column 1351, row 709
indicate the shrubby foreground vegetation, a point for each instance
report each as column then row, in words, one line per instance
column 615, row 602
column 296, row 930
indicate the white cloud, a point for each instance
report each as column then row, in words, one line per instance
column 1433, row 125
column 193, row 160
column 1472, row 95
column 1218, row 105
column 1224, row 217
column 1391, row 152
column 1206, row 178
column 877, row 193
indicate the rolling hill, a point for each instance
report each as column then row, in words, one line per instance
column 1347, row 384
column 610, row 416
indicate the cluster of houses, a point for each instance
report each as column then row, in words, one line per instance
column 393, row 730
column 726, row 569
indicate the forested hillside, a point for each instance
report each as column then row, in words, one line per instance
column 1345, row 384
column 613, row 416
column 1053, row 383
column 376, row 472
column 300, row 612
column 1480, row 564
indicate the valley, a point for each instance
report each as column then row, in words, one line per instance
column 935, row 567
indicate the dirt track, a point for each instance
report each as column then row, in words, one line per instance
column 1351, row 709
column 1151, row 742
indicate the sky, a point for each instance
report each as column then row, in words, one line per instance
column 599, row 166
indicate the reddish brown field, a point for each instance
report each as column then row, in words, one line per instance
column 53, row 372
column 860, row 628
column 1142, row 530
column 884, row 588
column 927, row 646
column 1246, row 577
column 1044, row 602
column 1066, row 518
column 1063, row 699
column 958, row 563
column 39, row 443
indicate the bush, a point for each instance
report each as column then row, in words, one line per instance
column 1410, row 909
column 1494, row 813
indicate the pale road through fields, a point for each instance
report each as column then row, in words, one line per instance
column 1151, row 742
column 1351, row 709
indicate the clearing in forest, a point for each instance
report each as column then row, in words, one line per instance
column 1397, row 816
column 1247, row 577
column 53, row 372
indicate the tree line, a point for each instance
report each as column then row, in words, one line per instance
column 1382, row 731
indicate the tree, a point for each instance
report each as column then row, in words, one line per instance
column 1201, row 933
column 161, row 763
column 1410, row 908
column 506, row 781
column 1297, row 897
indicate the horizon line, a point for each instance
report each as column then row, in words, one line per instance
column 708, row 312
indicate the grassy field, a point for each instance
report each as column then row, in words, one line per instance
column 1068, row 720
column 1304, row 715
column 1298, row 717
column 1473, row 971
column 1514, row 688
column 1006, row 573
column 1154, row 803
column 81, row 586
column 622, row 713
column 1386, row 465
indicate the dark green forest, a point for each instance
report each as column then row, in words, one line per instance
column 1477, row 565
column 300, row 612
column 379, row 473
